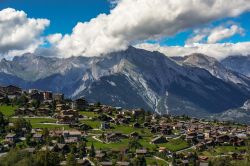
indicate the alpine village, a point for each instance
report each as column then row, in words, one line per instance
column 42, row 128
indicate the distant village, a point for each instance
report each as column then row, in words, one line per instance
column 42, row 125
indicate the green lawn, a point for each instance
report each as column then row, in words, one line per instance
column 219, row 150
column 38, row 123
column 88, row 114
column 145, row 142
column 125, row 129
column 93, row 124
column 175, row 145
column 113, row 146
column 153, row 161
column 7, row 110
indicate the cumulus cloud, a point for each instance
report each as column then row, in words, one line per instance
column 54, row 38
column 218, row 50
column 138, row 20
column 216, row 34
column 113, row 2
column 19, row 34
column 222, row 33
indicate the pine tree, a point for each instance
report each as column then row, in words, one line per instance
column 92, row 151
column 71, row 160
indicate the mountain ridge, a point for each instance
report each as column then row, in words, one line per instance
column 132, row 78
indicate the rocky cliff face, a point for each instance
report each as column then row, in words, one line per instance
column 132, row 78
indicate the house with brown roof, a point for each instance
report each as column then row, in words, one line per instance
column 141, row 152
column 72, row 136
column 79, row 104
column 159, row 140
column 122, row 163
column 115, row 137
column 11, row 137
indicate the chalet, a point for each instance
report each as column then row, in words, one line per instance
column 200, row 137
column 37, row 96
column 184, row 162
column 58, row 97
column 66, row 119
column 25, row 111
column 30, row 150
column 123, row 121
column 104, row 126
column 43, row 111
column 159, row 140
column 122, row 163
column 47, row 95
column 137, row 112
column 60, row 107
column 240, row 143
column 55, row 133
column 145, row 124
column 201, row 146
column 106, row 163
column 204, row 164
column 210, row 143
column 178, row 126
column 1, row 148
column 97, row 110
column 203, row 158
column 136, row 125
column 190, row 138
column 11, row 137
column 38, row 137
column 135, row 135
column 223, row 139
column 115, row 137
column 2, row 95
column 72, row 136
column 100, row 155
column 141, row 152
column 47, row 148
column 12, row 90
column 166, row 131
column 32, row 91
column 162, row 149
column 62, row 148
column 70, row 112
column 79, row 104
column 127, row 112
column 83, row 162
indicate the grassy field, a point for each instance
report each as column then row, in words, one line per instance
column 153, row 161
column 39, row 123
column 175, row 145
column 220, row 150
column 145, row 142
column 125, row 129
column 88, row 114
column 7, row 110
column 93, row 124
column 114, row 146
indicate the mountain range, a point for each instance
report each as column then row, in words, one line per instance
column 196, row 85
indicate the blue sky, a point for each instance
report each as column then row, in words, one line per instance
column 63, row 14
column 130, row 23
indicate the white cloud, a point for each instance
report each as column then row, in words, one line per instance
column 197, row 38
column 113, row 2
column 54, row 38
column 137, row 20
column 216, row 34
column 218, row 51
column 19, row 34
column 222, row 33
